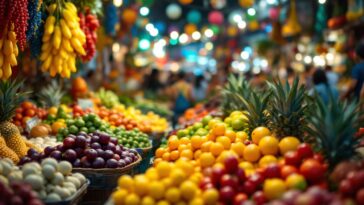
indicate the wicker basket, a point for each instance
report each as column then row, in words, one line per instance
column 106, row 179
column 74, row 199
column 146, row 154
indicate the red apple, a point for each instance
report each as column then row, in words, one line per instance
column 216, row 174
column 304, row 151
column 227, row 194
column 256, row 178
column 240, row 198
column 231, row 164
column 241, row 175
column 272, row 171
column 360, row 197
column 312, row 170
column 229, row 180
column 360, row 178
column 287, row 170
column 345, row 188
column 318, row 157
column 249, row 187
column 292, row 158
column 259, row 198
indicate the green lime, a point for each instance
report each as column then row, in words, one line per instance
column 80, row 122
column 182, row 133
column 73, row 129
column 206, row 120
column 201, row 132
column 84, row 129
column 89, row 124
column 197, row 126
column 91, row 129
column 70, row 122
column 65, row 132
column 238, row 124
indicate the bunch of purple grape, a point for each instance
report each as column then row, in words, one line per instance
column 96, row 150
column 18, row 193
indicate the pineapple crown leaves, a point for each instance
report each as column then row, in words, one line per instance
column 332, row 129
column 287, row 108
column 10, row 98
column 51, row 95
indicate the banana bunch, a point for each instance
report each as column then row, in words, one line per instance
column 63, row 40
column 8, row 53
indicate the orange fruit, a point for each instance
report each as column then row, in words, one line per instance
column 246, row 165
column 225, row 141
column 219, row 129
column 210, row 196
column 188, row 190
column 182, row 147
column 268, row 145
column 251, row 153
column 184, row 140
column 205, row 147
column 157, row 160
column 206, row 159
column 186, row 154
column 173, row 137
column 173, row 143
column 258, row 133
column 174, row 155
column 119, row 196
column 197, row 154
column 173, row 195
column 185, row 165
column 196, row 142
column 156, row 190
column 163, row 169
column 266, row 160
column 56, row 126
column 288, row 144
column 241, row 136
column 238, row 148
column 126, row 182
column 211, row 137
column 216, row 149
column 166, row 156
column 231, row 135
column 274, row 188
column 296, row 181
column 204, row 139
column 132, row 199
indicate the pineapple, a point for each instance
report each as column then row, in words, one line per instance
column 6, row 152
column 287, row 108
column 51, row 95
column 236, row 86
column 332, row 130
column 9, row 101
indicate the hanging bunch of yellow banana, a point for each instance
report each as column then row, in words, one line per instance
column 63, row 40
column 8, row 53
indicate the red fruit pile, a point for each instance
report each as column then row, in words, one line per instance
column 77, row 111
column 89, row 24
column 353, row 186
column 18, row 193
column 26, row 111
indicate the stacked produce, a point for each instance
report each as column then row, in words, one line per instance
column 18, row 193
column 63, row 40
column 96, row 150
column 89, row 25
column 8, row 52
column 26, row 111
column 51, row 180
column 197, row 113
column 43, row 142
column 131, row 138
column 108, row 98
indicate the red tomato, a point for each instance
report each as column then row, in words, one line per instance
column 30, row 112
column 312, row 170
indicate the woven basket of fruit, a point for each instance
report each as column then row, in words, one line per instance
column 106, row 178
column 75, row 198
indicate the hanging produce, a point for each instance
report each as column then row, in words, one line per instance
column 292, row 27
column 89, row 25
column 8, row 54
column 63, row 40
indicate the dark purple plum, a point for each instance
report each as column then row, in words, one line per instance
column 35, row 156
column 24, row 160
column 100, row 152
column 104, row 138
column 88, row 140
column 77, row 163
column 110, row 146
column 122, row 163
column 91, row 154
column 60, row 147
column 124, row 153
column 128, row 160
column 116, row 157
column 80, row 152
column 83, row 133
column 95, row 138
column 108, row 154
column 95, row 145
column 70, row 155
column 85, row 163
column 56, row 155
column 111, row 163
column 98, row 163
column 114, row 141
column 69, row 143
column 48, row 150
column 31, row 151
column 81, row 141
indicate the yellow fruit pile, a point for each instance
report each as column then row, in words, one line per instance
column 8, row 53
column 63, row 40
column 167, row 183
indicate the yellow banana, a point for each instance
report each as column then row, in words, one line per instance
column 12, row 60
column 46, row 38
column 63, row 54
column 53, row 71
column 77, row 46
column 12, row 36
column 47, row 62
column 6, row 71
column 57, row 61
column 71, row 7
column 49, row 25
column 66, row 45
column 66, row 32
column 16, row 50
column 46, row 46
column 44, row 55
column 68, row 16
column 1, row 60
column 59, row 68
column 57, row 37
column 8, row 47
column 66, row 73
column 52, row 8
column 54, row 52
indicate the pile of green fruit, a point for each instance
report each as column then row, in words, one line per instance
column 108, row 98
column 61, row 114
column 88, row 123
column 131, row 138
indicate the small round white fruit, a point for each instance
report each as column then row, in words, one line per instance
column 80, row 177
column 58, row 179
column 65, row 167
column 35, row 181
column 74, row 181
column 50, row 161
column 53, row 197
column 48, row 171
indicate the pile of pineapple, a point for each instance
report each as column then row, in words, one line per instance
column 12, row 144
